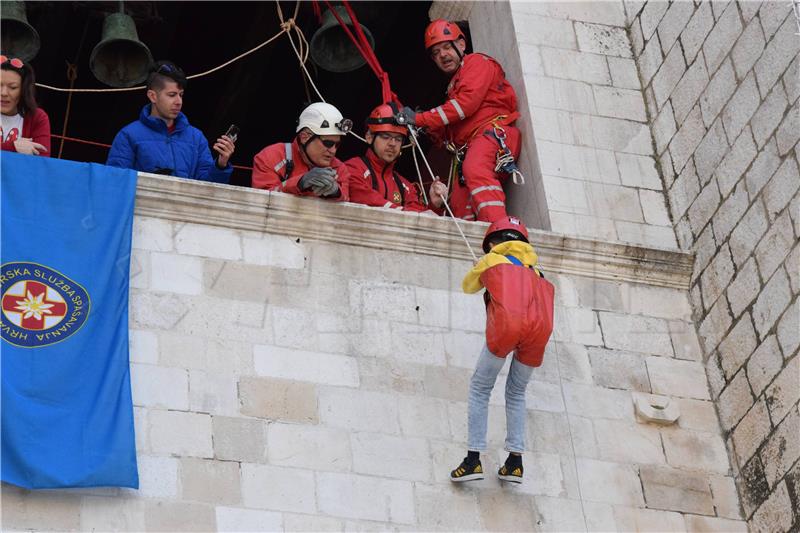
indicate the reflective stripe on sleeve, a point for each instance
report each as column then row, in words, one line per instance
column 491, row 203
column 442, row 115
column 485, row 188
column 460, row 111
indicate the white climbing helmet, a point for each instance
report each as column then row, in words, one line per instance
column 324, row 119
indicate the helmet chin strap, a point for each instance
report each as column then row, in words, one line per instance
column 305, row 151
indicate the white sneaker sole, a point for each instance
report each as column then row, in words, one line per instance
column 510, row 479
column 468, row 477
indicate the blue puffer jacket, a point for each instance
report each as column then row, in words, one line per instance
column 147, row 146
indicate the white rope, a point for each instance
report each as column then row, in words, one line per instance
column 516, row 175
column 419, row 175
column 411, row 130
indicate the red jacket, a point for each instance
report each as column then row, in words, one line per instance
column 269, row 171
column 477, row 94
column 384, row 188
column 35, row 126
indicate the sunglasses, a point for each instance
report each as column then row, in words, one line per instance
column 15, row 62
column 329, row 144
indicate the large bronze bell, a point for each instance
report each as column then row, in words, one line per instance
column 120, row 59
column 17, row 37
column 331, row 48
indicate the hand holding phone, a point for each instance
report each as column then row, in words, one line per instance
column 233, row 132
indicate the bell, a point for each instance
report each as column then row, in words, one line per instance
column 17, row 37
column 331, row 48
column 120, row 59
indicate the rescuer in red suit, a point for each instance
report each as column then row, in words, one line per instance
column 373, row 178
column 519, row 319
column 481, row 106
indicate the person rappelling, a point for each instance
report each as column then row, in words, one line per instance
column 476, row 123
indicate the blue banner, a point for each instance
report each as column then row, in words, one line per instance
column 67, row 415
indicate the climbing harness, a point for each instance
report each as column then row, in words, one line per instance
column 505, row 159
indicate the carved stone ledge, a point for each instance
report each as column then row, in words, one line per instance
column 309, row 218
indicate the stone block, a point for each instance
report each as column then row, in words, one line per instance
column 654, row 208
column 707, row 524
column 301, row 365
column 278, row 399
column 208, row 241
column 717, row 276
column 683, row 192
column 618, row 135
column 694, row 450
column 157, row 311
column 789, row 332
column 650, row 17
column 152, row 234
column 363, row 497
column 762, row 169
column 689, row 135
column 442, row 508
column 158, row 476
column 359, row 410
column 789, row 131
column 710, row 151
column 305, row 522
column 418, row 344
column 769, row 115
column 154, row 386
column 737, row 346
column 445, row 383
column 772, row 16
column 176, row 273
column 467, row 312
column 751, row 432
column 577, row 66
column 685, row 341
column 734, row 401
column 781, row 188
column 545, row 31
column 670, row 489
column 636, row 333
column 673, row 377
column 734, row 164
column 689, row 88
column 696, row 414
column 726, row 499
column 719, row 90
column 615, row 369
column 647, row 520
column 140, row 271
column 215, row 482
column 748, row 233
column 721, row 38
column 597, row 402
column 577, row 325
column 626, row 442
column 794, row 273
column 764, row 365
column 433, row 307
column 219, row 318
column 715, row 325
column 619, row 103
column 780, row 52
column 239, row 439
column 409, row 456
column 649, row 61
column 730, row 212
column 748, row 48
column 669, row 74
column 233, row 519
column 278, row 489
column 549, row 433
column 613, row 483
column 558, row 514
column 752, row 485
column 775, row 246
column 741, row 106
column 143, row 346
column 311, row 447
column 782, row 449
column 716, row 380
column 423, row 417
column 504, row 512
column 772, row 515
column 771, row 303
column 178, row 516
column 100, row 513
column 664, row 128
column 696, row 29
column 214, row 393
column 601, row 39
column 623, row 72
column 273, row 250
column 178, row 433
column 673, row 23
column 572, row 364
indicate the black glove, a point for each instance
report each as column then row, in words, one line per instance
column 317, row 178
column 406, row 116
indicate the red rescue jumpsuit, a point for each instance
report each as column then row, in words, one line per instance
column 379, row 185
column 269, row 171
column 479, row 96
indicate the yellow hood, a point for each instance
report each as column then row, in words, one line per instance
column 497, row 256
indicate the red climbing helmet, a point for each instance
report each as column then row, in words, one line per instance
column 382, row 119
column 441, row 30
column 505, row 229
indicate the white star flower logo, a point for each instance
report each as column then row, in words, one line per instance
column 33, row 306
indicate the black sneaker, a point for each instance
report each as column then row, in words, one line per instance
column 467, row 472
column 510, row 474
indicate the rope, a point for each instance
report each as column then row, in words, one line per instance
column 411, row 130
column 193, row 76
column 419, row 175
column 72, row 75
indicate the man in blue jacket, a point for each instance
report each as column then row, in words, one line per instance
column 163, row 142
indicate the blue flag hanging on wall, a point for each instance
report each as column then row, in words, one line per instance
column 67, row 415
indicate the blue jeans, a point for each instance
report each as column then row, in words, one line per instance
column 480, row 388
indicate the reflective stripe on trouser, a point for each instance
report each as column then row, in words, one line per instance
column 487, row 196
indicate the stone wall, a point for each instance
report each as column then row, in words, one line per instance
column 303, row 365
column 721, row 86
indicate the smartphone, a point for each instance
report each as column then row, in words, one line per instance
column 233, row 132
